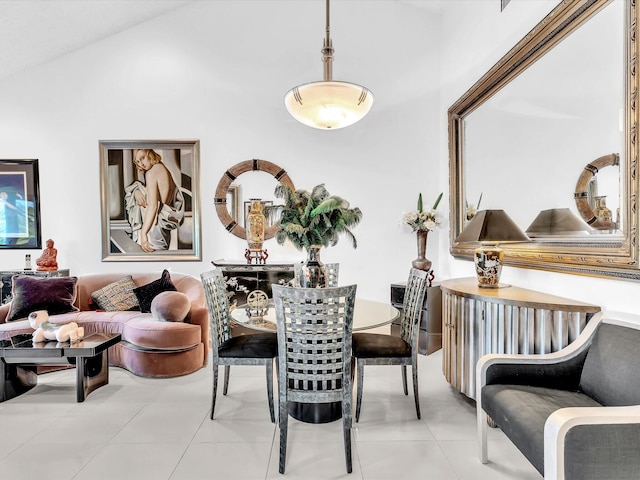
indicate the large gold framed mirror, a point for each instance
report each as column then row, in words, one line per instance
column 520, row 137
column 229, row 219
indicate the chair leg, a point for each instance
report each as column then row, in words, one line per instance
column 359, row 391
column 270, row 389
column 227, row 372
column 346, row 428
column 215, row 388
column 414, row 371
column 481, row 419
column 283, row 422
column 404, row 379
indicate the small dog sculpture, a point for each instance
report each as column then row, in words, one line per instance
column 45, row 330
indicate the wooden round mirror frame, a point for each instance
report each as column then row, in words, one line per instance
column 220, row 200
column 582, row 195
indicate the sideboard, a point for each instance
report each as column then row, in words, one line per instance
column 6, row 276
column 478, row 321
column 242, row 278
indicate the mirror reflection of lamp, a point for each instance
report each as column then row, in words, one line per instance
column 490, row 228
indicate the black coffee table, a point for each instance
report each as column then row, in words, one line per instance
column 19, row 357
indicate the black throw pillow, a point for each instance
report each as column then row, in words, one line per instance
column 30, row 293
column 146, row 293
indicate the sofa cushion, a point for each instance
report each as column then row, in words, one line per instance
column 521, row 411
column 149, row 333
column 146, row 293
column 170, row 306
column 30, row 293
column 611, row 372
column 117, row 296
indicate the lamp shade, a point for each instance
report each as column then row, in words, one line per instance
column 558, row 222
column 328, row 104
column 492, row 226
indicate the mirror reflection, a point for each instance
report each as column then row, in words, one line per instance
column 525, row 147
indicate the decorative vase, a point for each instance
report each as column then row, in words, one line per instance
column 256, row 223
column 602, row 211
column 312, row 272
column 422, row 263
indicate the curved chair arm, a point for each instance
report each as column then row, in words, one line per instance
column 530, row 369
column 604, row 443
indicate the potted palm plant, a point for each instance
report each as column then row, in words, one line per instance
column 312, row 220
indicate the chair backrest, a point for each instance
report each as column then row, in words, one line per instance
column 611, row 372
column 412, row 306
column 332, row 269
column 314, row 342
column 215, row 291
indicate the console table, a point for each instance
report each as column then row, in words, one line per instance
column 242, row 278
column 512, row 320
column 7, row 275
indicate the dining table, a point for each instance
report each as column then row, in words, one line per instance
column 367, row 315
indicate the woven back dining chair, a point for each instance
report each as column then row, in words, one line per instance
column 314, row 353
column 381, row 349
column 332, row 269
column 252, row 349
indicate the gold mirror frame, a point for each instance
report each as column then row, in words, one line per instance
column 220, row 200
column 618, row 258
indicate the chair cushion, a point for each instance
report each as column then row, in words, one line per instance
column 258, row 345
column 521, row 411
column 370, row 345
column 611, row 372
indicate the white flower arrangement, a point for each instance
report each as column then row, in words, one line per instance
column 422, row 219
column 473, row 209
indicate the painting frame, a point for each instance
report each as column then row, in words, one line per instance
column 175, row 233
column 20, row 204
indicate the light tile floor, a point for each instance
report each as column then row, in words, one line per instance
column 138, row 428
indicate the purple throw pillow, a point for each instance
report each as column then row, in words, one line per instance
column 30, row 293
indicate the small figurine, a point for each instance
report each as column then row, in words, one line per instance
column 45, row 330
column 47, row 260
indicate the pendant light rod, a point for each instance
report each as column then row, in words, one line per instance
column 327, row 51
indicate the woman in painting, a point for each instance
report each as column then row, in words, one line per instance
column 155, row 207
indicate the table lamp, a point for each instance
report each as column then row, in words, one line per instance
column 558, row 222
column 490, row 228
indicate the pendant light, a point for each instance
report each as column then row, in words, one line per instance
column 328, row 104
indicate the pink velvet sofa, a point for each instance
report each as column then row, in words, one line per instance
column 150, row 347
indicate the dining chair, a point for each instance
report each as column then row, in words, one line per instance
column 332, row 269
column 381, row 349
column 314, row 353
column 252, row 349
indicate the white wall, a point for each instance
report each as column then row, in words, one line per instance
column 478, row 35
column 218, row 72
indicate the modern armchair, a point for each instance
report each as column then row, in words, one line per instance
column 380, row 349
column 314, row 353
column 574, row 414
column 254, row 349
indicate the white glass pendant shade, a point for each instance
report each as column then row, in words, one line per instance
column 328, row 104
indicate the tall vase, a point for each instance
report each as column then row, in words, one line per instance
column 256, row 222
column 422, row 263
column 313, row 273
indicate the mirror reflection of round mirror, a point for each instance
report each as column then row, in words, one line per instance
column 249, row 179
column 597, row 193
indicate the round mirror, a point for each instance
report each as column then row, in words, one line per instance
column 592, row 205
column 224, row 185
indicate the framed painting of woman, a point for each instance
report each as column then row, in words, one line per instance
column 150, row 200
